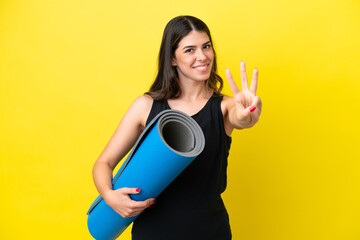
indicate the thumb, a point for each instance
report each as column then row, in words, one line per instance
column 251, row 108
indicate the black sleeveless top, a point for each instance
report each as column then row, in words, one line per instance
column 191, row 206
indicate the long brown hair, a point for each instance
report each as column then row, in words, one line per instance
column 166, row 83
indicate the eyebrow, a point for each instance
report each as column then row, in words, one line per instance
column 195, row 46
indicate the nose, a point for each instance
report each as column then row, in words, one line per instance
column 200, row 55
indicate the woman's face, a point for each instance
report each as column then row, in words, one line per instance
column 194, row 57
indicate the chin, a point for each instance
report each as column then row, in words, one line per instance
column 205, row 77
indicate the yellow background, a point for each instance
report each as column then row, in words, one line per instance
column 70, row 69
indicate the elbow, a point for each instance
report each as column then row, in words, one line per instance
column 100, row 164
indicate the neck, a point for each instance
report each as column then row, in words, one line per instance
column 194, row 90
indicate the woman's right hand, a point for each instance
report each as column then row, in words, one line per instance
column 120, row 201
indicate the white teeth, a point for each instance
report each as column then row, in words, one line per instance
column 201, row 68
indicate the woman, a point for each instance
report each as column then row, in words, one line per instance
column 191, row 206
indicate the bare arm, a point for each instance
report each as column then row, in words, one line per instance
column 124, row 137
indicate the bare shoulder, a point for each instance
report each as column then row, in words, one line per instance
column 141, row 107
column 144, row 101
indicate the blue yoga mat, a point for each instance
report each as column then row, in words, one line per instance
column 169, row 143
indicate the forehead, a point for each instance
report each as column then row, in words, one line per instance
column 194, row 38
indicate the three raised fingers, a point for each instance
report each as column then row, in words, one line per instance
column 244, row 82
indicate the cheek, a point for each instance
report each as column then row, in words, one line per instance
column 210, row 55
column 186, row 60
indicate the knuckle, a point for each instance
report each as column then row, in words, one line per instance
column 128, row 213
column 123, row 215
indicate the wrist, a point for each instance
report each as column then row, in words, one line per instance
column 107, row 194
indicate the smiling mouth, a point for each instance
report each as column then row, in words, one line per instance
column 202, row 68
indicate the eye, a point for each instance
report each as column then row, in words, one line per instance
column 207, row 46
column 188, row 50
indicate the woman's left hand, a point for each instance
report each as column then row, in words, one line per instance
column 245, row 111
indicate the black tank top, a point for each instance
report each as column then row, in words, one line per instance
column 191, row 206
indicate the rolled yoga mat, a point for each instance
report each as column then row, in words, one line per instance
column 168, row 144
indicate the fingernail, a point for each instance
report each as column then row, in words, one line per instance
column 154, row 200
column 252, row 108
column 138, row 189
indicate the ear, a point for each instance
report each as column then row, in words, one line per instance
column 173, row 62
